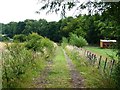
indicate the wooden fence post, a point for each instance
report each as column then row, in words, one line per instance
column 99, row 62
column 113, row 61
column 90, row 56
column 105, row 65
column 84, row 52
column 94, row 59
column 87, row 53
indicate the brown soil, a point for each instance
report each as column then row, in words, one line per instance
column 77, row 80
column 41, row 81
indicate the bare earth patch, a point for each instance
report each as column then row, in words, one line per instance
column 77, row 80
column 41, row 81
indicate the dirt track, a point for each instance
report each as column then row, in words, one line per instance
column 77, row 80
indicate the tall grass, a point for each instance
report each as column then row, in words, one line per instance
column 92, row 76
column 16, row 61
column 22, row 64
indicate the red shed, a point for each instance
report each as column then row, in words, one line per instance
column 106, row 43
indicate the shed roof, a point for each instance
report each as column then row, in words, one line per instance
column 108, row 40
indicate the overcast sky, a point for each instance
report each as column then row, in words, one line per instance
column 19, row 10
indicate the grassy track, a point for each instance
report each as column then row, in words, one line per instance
column 59, row 76
column 104, row 52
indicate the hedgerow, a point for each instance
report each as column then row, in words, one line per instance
column 22, row 60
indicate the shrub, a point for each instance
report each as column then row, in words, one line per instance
column 47, row 44
column 19, row 38
column 34, row 36
column 38, row 43
column 116, row 75
column 16, row 62
column 34, row 42
column 3, row 38
column 22, row 59
column 77, row 40
column 64, row 42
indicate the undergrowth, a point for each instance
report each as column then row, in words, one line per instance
column 92, row 76
column 22, row 64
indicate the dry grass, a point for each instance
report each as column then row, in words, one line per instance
column 2, row 46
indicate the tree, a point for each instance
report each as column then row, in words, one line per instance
column 114, row 12
column 20, row 27
column 10, row 29
column 19, row 38
column 77, row 40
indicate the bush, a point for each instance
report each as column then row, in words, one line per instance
column 47, row 44
column 19, row 38
column 34, row 36
column 77, row 40
column 116, row 75
column 34, row 42
column 20, row 60
column 64, row 42
column 37, row 43
column 16, row 61
column 3, row 38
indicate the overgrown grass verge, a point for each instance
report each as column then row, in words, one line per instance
column 59, row 76
column 92, row 76
column 21, row 65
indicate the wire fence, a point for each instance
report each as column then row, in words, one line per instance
column 101, row 63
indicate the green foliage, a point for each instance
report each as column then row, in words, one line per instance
column 21, row 61
column 92, row 76
column 16, row 61
column 19, row 38
column 77, row 40
column 20, row 65
column 38, row 43
column 3, row 38
column 46, row 43
column 84, row 26
column 116, row 75
column 64, row 42
column 34, row 42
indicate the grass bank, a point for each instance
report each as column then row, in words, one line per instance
column 92, row 76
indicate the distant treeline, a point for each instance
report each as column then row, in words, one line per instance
column 92, row 28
